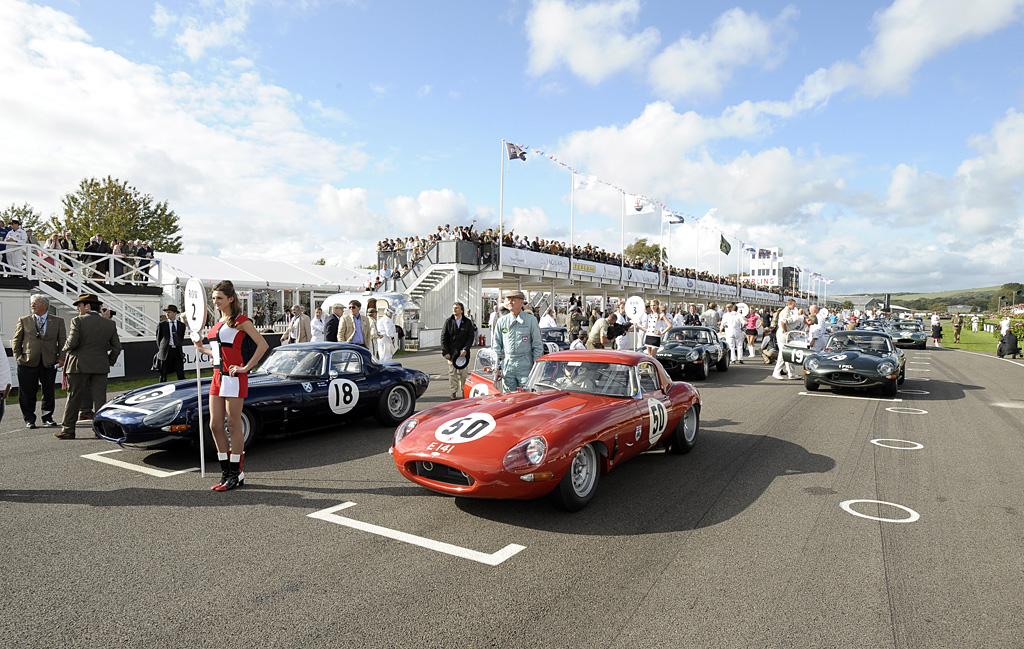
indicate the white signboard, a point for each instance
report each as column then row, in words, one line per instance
column 635, row 307
column 195, row 305
column 742, row 308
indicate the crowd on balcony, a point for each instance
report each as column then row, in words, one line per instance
column 395, row 256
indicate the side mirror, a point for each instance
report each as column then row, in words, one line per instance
column 333, row 374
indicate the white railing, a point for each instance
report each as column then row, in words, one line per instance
column 64, row 275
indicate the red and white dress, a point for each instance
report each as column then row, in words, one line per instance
column 226, row 345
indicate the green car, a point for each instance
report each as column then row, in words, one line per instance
column 909, row 334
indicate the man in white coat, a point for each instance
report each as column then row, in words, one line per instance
column 387, row 336
column 732, row 326
column 789, row 321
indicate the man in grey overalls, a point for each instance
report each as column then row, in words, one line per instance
column 517, row 344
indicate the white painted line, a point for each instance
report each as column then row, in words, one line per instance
column 918, row 369
column 902, row 391
column 917, row 363
column 907, row 411
column 964, row 351
column 917, row 378
column 493, row 559
column 1007, row 404
column 847, row 505
column 915, row 447
column 101, row 457
column 844, row 396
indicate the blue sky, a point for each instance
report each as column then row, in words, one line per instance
column 880, row 144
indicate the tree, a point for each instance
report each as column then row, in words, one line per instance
column 117, row 210
column 847, row 304
column 320, row 262
column 640, row 249
column 28, row 217
column 1012, row 292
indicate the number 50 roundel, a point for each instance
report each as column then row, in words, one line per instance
column 342, row 396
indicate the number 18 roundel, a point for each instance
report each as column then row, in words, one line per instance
column 342, row 395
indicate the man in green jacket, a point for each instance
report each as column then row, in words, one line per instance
column 92, row 347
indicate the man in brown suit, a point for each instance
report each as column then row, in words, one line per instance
column 365, row 334
column 38, row 349
column 92, row 347
column 300, row 328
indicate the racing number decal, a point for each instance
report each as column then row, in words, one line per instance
column 148, row 395
column 342, row 396
column 479, row 390
column 798, row 356
column 836, row 357
column 659, row 419
column 465, row 429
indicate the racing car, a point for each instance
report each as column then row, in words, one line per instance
column 857, row 359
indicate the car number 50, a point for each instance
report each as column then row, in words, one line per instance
column 465, row 429
column 342, row 396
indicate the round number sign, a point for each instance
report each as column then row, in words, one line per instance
column 342, row 396
column 465, row 429
column 195, row 304
column 742, row 309
column 634, row 308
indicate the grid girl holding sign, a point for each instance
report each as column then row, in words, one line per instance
column 230, row 380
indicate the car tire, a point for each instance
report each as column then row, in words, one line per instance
column 578, row 485
column 723, row 364
column 685, row 436
column 395, row 405
column 701, row 372
column 903, row 376
column 889, row 388
column 810, row 385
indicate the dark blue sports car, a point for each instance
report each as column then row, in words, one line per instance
column 296, row 388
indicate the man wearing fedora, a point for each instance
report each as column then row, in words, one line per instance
column 457, row 336
column 517, row 343
column 92, row 347
column 169, row 336
column 38, row 349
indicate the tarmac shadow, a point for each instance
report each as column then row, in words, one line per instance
column 657, row 492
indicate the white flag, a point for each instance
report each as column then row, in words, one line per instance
column 641, row 205
column 583, row 181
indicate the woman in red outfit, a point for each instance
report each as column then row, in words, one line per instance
column 230, row 380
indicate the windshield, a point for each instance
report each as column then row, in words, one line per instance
column 605, row 379
column 484, row 362
column 687, row 336
column 553, row 335
column 859, row 341
column 293, row 362
column 908, row 326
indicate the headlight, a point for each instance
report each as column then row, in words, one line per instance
column 692, row 356
column 163, row 416
column 812, row 364
column 886, row 368
column 525, row 455
column 404, row 429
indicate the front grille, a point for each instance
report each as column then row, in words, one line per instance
column 847, row 378
column 442, row 473
column 109, row 429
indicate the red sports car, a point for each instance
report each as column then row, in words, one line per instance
column 584, row 413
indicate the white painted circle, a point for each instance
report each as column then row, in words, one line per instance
column 847, row 505
column 635, row 307
column 902, row 391
column 742, row 308
column 915, row 447
column 150, row 394
column 195, row 304
column 465, row 429
column 901, row 410
column 342, row 396
column 659, row 419
column 479, row 390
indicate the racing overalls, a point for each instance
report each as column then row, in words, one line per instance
column 517, row 344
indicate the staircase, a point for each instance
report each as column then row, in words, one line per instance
column 426, row 282
column 63, row 275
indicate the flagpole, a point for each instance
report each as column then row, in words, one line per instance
column 572, row 209
column 501, row 203
column 720, row 266
column 739, row 269
column 622, row 243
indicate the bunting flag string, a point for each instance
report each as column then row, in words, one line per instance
column 586, row 181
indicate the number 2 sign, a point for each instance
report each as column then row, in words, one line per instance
column 195, row 304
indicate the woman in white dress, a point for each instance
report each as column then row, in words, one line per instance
column 657, row 324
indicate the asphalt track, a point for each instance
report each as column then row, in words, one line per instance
column 745, row 542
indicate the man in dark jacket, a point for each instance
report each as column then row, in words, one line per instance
column 457, row 336
column 331, row 324
column 170, row 337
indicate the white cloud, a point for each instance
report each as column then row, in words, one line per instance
column 224, row 152
column 347, row 210
column 590, row 39
column 424, row 213
column 424, row 90
column 701, row 67
column 199, row 33
column 529, row 221
column 910, row 32
column 378, row 90
column 162, row 19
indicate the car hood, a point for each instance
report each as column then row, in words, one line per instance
column 679, row 348
column 517, row 416
column 850, row 357
column 154, row 397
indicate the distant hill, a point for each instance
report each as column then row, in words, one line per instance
column 986, row 292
